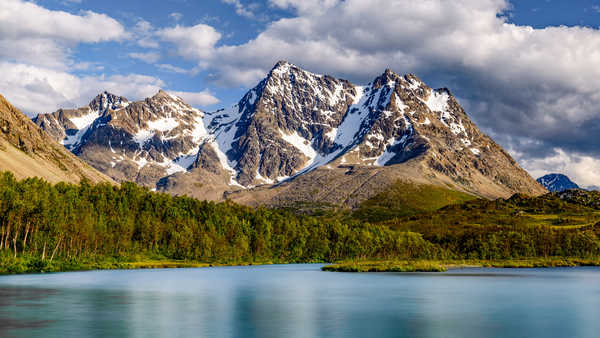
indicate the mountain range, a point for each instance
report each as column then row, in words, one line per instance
column 28, row 151
column 295, row 137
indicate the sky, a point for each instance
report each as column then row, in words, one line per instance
column 527, row 72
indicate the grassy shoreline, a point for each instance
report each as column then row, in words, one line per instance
column 14, row 266
column 445, row 265
column 24, row 266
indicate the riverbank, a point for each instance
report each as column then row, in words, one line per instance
column 445, row 265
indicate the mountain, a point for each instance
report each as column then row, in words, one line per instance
column 296, row 136
column 27, row 151
column 557, row 182
column 343, row 142
column 139, row 141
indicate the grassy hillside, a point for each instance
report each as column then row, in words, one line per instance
column 558, row 229
column 404, row 199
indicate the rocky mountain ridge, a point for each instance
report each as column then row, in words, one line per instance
column 140, row 141
column 287, row 131
column 27, row 151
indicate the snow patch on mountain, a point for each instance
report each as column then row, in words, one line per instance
column 388, row 154
column 163, row 124
column 356, row 115
column 142, row 136
column 86, row 120
column 437, row 101
column 300, row 143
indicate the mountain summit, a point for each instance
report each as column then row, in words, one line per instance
column 557, row 182
column 295, row 136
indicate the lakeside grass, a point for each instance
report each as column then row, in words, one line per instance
column 19, row 265
column 25, row 265
column 445, row 265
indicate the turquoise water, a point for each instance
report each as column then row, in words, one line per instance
column 302, row 301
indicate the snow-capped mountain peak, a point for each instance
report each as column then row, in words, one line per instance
column 159, row 135
column 106, row 100
column 557, row 182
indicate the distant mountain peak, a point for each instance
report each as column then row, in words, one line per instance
column 557, row 182
column 106, row 100
column 164, row 94
column 282, row 63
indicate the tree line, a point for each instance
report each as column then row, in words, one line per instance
column 66, row 222
column 41, row 223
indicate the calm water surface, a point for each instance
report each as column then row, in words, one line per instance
column 302, row 301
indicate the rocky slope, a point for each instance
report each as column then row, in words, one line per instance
column 27, row 151
column 139, row 141
column 296, row 136
column 557, row 182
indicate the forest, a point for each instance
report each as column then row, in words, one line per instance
column 45, row 227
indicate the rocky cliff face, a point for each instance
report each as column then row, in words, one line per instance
column 292, row 130
column 281, row 125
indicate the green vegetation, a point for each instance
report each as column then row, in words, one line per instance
column 388, row 266
column 64, row 227
column 407, row 199
column 69, row 227
column 419, row 265
column 516, row 228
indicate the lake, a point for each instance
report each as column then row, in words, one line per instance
column 302, row 301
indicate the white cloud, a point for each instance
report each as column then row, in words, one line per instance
column 173, row 69
column 305, row 6
column 40, row 90
column 36, row 89
column 35, row 35
column 176, row 16
column 19, row 19
column 203, row 98
column 36, row 61
column 195, row 42
column 149, row 57
column 245, row 11
column 143, row 32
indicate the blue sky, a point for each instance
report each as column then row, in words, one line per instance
column 113, row 56
column 527, row 72
column 543, row 13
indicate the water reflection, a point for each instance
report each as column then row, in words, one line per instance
column 301, row 301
